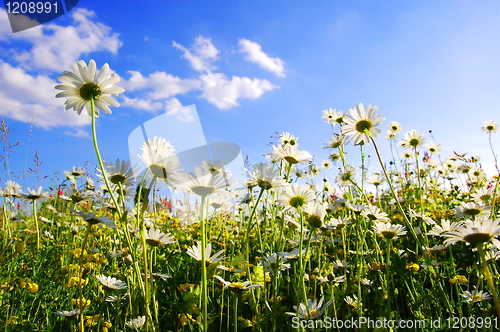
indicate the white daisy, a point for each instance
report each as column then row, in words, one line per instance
column 433, row 147
column 375, row 214
column 445, row 227
column 313, row 310
column 287, row 138
column 295, row 196
column 315, row 214
column 395, row 127
column 471, row 209
column 159, row 156
column 110, row 283
column 155, row 238
column 136, row 323
column 333, row 116
column 476, row 296
column 291, row 154
column 388, row 230
column 195, row 252
column 238, row 286
column 490, row 126
column 266, row 177
column 203, row 183
column 359, row 121
column 121, row 172
column 335, row 142
column 475, row 232
column 33, row 195
column 413, row 139
column 85, row 83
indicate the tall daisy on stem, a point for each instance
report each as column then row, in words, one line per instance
column 361, row 124
column 203, row 183
column 414, row 139
column 87, row 89
column 491, row 127
column 91, row 90
column 479, row 233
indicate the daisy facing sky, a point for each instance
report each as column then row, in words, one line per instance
column 361, row 120
column 85, row 83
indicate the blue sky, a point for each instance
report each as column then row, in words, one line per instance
column 253, row 68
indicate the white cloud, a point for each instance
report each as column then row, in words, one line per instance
column 59, row 47
column 163, row 85
column 144, row 104
column 77, row 132
column 174, row 107
column 22, row 95
column 224, row 93
column 255, row 55
column 201, row 55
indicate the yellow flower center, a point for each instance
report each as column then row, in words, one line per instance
column 90, row 91
column 476, row 238
column 118, row 178
column 388, row 234
column 414, row 142
column 472, row 212
column 291, row 159
column 297, row 201
column 477, row 298
column 313, row 312
column 264, row 184
column 158, row 171
column 363, row 125
column 237, row 285
column 153, row 242
column 314, row 221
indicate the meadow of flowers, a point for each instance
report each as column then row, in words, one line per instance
column 286, row 250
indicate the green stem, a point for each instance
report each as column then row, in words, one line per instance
column 35, row 216
column 487, row 275
column 492, row 151
column 204, row 288
column 250, row 225
column 99, row 159
column 81, row 305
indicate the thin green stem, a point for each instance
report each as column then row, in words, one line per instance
column 35, row 217
column 487, row 275
column 81, row 304
column 99, row 159
column 204, row 286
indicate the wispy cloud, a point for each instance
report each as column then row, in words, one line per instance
column 159, row 85
column 60, row 47
column 27, row 98
column 77, row 132
column 255, row 54
column 201, row 55
column 144, row 104
column 224, row 93
column 215, row 87
column 175, row 108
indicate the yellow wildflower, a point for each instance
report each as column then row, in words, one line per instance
column 33, row 287
column 413, row 267
column 84, row 303
column 458, row 279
